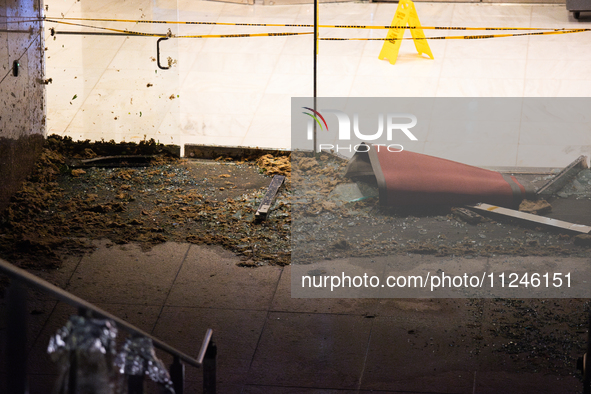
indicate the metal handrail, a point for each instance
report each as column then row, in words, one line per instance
column 20, row 274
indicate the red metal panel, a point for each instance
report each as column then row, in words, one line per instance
column 408, row 178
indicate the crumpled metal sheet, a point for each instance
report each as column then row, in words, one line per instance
column 408, row 178
column 138, row 357
column 92, row 343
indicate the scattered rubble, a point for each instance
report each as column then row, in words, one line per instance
column 275, row 165
column 538, row 207
column 59, row 209
column 78, row 172
column 467, row 215
column 323, row 216
column 583, row 240
column 579, row 187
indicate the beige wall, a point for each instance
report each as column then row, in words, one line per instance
column 22, row 98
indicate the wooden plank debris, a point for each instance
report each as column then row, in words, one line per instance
column 267, row 201
column 511, row 213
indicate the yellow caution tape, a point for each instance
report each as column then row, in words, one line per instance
column 322, row 26
column 246, row 35
column 442, row 27
column 110, row 29
column 186, row 36
column 476, row 37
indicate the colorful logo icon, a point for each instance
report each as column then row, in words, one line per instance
column 315, row 115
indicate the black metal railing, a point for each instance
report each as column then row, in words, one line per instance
column 16, row 340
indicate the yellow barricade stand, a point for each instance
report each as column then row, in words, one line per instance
column 406, row 15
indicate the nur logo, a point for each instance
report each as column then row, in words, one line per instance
column 393, row 122
column 315, row 115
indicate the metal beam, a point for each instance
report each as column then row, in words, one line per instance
column 564, row 176
column 265, row 205
column 511, row 213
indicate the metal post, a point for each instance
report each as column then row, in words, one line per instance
column 209, row 369
column 16, row 339
column 586, row 368
column 315, row 65
column 85, row 312
column 135, row 384
column 177, row 375
column 73, row 375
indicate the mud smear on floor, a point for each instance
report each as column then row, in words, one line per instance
column 60, row 209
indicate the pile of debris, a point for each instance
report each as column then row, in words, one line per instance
column 335, row 216
column 83, row 191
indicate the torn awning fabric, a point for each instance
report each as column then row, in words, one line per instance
column 407, row 178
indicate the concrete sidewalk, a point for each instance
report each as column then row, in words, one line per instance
column 270, row 343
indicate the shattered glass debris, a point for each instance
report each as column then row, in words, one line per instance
column 171, row 200
column 579, row 187
column 137, row 357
